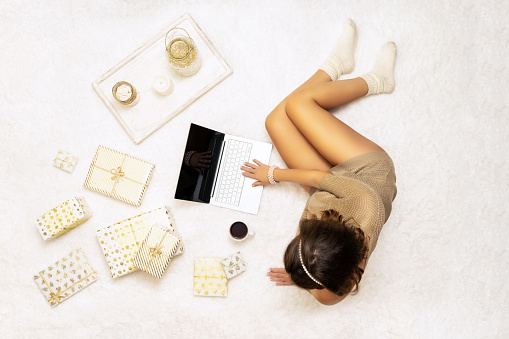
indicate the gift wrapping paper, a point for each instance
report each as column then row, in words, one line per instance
column 209, row 278
column 120, row 241
column 119, row 175
column 65, row 160
column 156, row 251
column 64, row 217
column 65, row 277
column 233, row 265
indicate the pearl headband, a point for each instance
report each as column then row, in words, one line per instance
column 304, row 267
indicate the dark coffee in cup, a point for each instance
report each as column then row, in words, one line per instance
column 238, row 230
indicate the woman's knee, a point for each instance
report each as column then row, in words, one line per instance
column 294, row 104
column 275, row 118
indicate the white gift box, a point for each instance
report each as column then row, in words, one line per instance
column 120, row 242
column 233, row 265
column 65, row 160
column 64, row 217
column 65, row 277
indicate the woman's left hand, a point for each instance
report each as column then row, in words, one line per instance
column 280, row 276
column 257, row 171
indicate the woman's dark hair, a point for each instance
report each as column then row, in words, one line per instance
column 332, row 250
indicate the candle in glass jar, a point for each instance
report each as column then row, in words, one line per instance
column 163, row 85
column 125, row 93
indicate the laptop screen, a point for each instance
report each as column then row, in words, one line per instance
column 199, row 164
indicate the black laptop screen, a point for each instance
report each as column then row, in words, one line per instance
column 199, row 164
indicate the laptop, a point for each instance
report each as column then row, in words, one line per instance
column 210, row 172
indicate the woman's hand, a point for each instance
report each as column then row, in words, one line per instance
column 280, row 276
column 259, row 172
column 199, row 161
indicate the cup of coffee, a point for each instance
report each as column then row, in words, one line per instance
column 239, row 231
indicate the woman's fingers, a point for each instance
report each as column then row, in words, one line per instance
column 257, row 183
column 248, row 164
column 278, row 270
column 259, row 163
column 249, row 175
column 247, row 169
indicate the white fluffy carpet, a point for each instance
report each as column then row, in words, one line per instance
column 440, row 266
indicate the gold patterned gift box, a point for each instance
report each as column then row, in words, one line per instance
column 65, row 277
column 233, row 265
column 119, row 175
column 65, row 160
column 156, row 251
column 120, row 241
column 209, row 278
column 64, row 217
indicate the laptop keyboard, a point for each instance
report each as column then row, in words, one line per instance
column 231, row 180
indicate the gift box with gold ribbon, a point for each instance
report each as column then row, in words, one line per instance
column 63, row 218
column 120, row 241
column 65, row 160
column 65, row 277
column 156, row 251
column 233, row 265
column 119, row 175
column 209, row 278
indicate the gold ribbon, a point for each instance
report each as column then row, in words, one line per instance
column 117, row 174
column 55, row 297
column 155, row 251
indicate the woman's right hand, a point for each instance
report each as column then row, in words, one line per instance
column 258, row 171
column 280, row 276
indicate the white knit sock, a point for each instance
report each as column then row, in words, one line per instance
column 341, row 60
column 381, row 78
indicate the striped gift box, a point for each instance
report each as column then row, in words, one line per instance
column 156, row 251
column 119, row 175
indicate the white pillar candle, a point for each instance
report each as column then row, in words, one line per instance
column 163, row 85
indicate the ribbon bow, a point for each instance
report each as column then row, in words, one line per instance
column 55, row 298
column 155, row 251
column 117, row 174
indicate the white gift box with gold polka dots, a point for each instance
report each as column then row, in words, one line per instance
column 64, row 217
column 65, row 277
column 120, row 242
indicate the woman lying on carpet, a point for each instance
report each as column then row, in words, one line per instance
column 350, row 179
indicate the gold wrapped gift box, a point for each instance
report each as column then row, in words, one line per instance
column 65, row 160
column 63, row 218
column 209, row 278
column 156, row 251
column 233, row 265
column 65, row 277
column 120, row 241
column 119, row 175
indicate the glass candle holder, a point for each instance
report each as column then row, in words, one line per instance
column 125, row 93
column 182, row 52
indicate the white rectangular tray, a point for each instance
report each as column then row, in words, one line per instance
column 142, row 67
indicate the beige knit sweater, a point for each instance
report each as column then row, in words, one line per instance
column 361, row 188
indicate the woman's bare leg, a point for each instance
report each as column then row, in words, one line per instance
column 293, row 147
column 335, row 141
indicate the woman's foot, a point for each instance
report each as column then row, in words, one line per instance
column 381, row 78
column 341, row 61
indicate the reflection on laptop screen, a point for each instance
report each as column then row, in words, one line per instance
column 197, row 175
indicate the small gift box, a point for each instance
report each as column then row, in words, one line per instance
column 120, row 241
column 209, row 278
column 156, row 251
column 119, row 175
column 64, row 217
column 233, row 265
column 65, row 278
column 65, row 160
